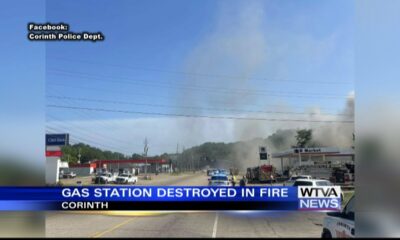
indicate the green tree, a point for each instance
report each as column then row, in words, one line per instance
column 303, row 137
column 88, row 153
column 137, row 156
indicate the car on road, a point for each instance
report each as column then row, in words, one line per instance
column 104, row 178
column 293, row 178
column 224, row 171
column 214, row 172
column 68, row 175
column 315, row 183
column 219, row 180
column 210, row 172
column 312, row 182
column 126, row 178
column 339, row 224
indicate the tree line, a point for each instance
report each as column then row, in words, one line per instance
column 206, row 154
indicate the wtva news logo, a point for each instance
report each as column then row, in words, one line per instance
column 324, row 198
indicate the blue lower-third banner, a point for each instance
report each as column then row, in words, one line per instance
column 196, row 198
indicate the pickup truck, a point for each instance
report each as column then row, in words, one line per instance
column 68, row 175
column 293, row 179
column 126, row 178
column 104, row 178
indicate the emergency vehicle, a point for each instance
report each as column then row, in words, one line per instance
column 340, row 224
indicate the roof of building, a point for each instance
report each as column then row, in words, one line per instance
column 82, row 165
column 148, row 160
column 315, row 151
column 99, row 162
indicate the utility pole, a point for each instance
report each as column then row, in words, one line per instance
column 146, row 148
column 299, row 158
column 177, row 158
column 192, row 161
column 79, row 156
column 184, row 159
column 118, row 162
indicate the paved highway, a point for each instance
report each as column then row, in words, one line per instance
column 184, row 224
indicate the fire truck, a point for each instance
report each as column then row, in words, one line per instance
column 343, row 174
column 263, row 173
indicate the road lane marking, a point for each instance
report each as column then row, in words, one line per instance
column 97, row 235
column 214, row 233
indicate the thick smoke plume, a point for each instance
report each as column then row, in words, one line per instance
column 235, row 51
column 283, row 137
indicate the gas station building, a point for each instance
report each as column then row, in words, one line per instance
column 324, row 156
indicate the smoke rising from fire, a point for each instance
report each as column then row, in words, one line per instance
column 233, row 53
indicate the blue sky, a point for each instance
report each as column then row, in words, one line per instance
column 184, row 57
column 305, row 41
column 377, row 52
column 198, row 58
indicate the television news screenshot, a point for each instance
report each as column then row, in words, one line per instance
column 199, row 119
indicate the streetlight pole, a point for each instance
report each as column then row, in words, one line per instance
column 79, row 156
column 146, row 148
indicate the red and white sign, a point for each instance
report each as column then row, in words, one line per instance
column 53, row 153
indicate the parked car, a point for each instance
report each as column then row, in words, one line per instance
column 104, row 178
column 339, row 224
column 293, row 178
column 126, row 178
column 68, row 175
column 311, row 182
column 219, row 180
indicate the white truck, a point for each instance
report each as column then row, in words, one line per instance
column 340, row 224
column 293, row 178
column 126, row 178
column 68, row 174
column 104, row 178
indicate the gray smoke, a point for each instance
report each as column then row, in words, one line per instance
column 324, row 134
column 337, row 134
column 231, row 53
column 235, row 50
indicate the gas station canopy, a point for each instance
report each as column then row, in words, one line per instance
column 315, row 151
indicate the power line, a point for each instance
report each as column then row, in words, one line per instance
column 85, row 139
column 186, row 107
column 74, row 127
column 196, row 116
column 82, row 133
column 193, row 73
column 97, row 134
column 107, row 91
column 93, row 137
column 223, row 90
